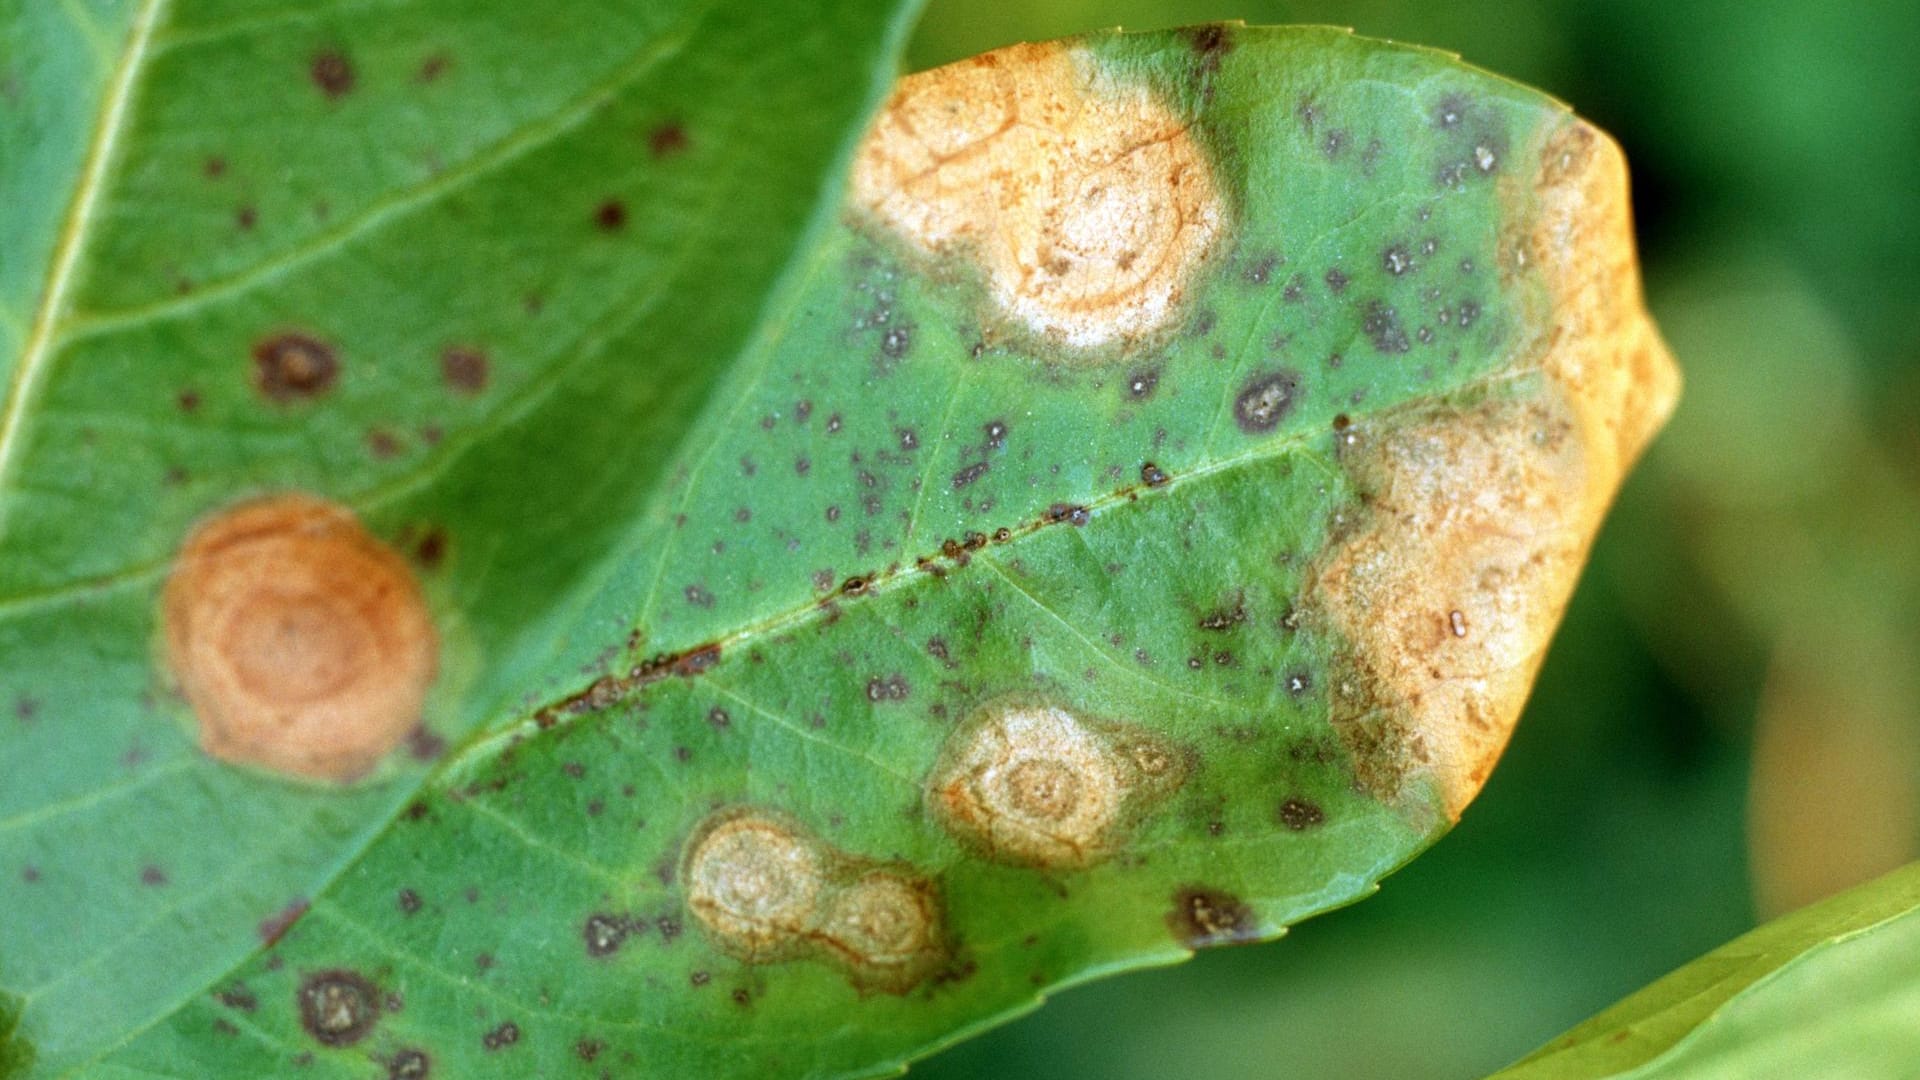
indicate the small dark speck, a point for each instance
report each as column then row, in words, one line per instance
column 332, row 73
column 1336, row 279
column 501, row 1037
column 667, row 140
column 610, row 216
column 464, row 369
column 153, row 876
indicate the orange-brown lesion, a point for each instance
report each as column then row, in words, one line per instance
column 301, row 642
column 1086, row 203
column 1480, row 514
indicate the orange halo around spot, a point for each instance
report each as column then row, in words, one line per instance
column 301, row 642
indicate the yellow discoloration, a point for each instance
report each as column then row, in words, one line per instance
column 1086, row 202
column 755, row 884
column 766, row 890
column 1033, row 784
column 1480, row 519
column 302, row 643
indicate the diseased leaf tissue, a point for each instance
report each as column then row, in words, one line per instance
column 1130, row 522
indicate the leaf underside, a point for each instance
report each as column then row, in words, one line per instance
column 762, row 488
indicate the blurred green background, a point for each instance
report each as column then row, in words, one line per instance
column 1728, row 726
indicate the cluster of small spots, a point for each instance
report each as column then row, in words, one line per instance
column 1033, row 784
column 302, row 643
column 764, row 889
column 338, row 1008
column 888, row 688
column 1300, row 814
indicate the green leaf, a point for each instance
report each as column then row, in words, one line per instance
column 1119, row 509
column 1830, row 990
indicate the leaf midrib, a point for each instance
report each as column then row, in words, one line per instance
column 81, row 213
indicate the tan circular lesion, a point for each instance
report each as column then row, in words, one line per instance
column 302, row 643
column 764, row 889
column 1034, row 784
column 755, row 884
column 1085, row 200
column 885, row 929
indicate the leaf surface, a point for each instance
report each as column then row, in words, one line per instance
column 1123, row 516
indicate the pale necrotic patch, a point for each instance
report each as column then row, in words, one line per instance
column 885, row 929
column 755, row 884
column 1085, row 200
column 764, row 889
column 1480, row 512
column 1035, row 785
column 302, row 643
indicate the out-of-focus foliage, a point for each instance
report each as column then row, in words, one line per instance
column 1729, row 724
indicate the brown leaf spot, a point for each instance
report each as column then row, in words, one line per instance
column 1265, row 401
column 667, row 139
column 1203, row 916
column 464, row 368
column 338, row 1008
column 332, row 73
column 301, row 642
column 409, row 1064
column 294, row 367
column 610, row 216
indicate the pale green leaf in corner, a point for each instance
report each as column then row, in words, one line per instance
column 1832, row 990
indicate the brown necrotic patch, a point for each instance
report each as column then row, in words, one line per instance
column 464, row 368
column 1203, row 917
column 1084, row 199
column 301, row 642
column 1265, row 401
column 338, row 1008
column 1480, row 510
column 294, row 367
column 1034, row 784
column 765, row 889
column 332, row 73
